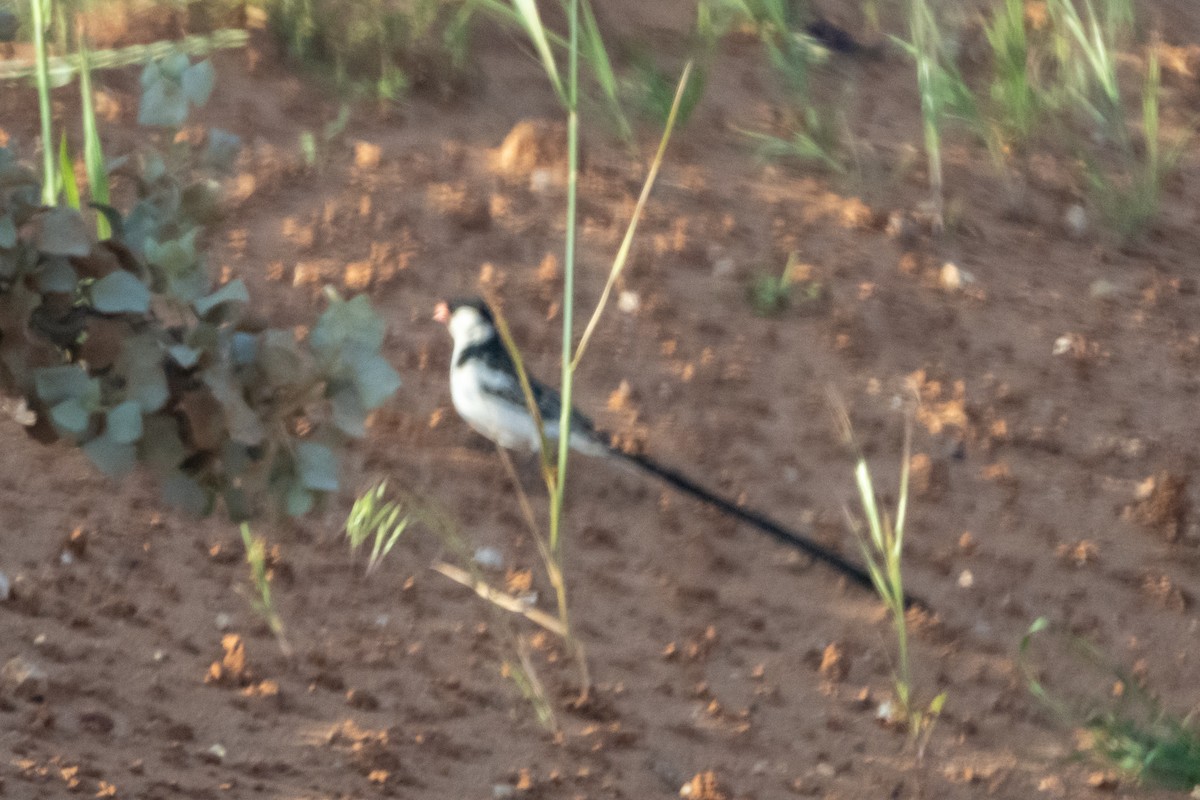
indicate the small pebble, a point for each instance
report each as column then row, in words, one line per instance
column 23, row 679
column 723, row 267
column 953, row 278
column 216, row 754
column 902, row 228
column 1103, row 290
column 1075, row 220
column 224, row 621
column 965, row 579
column 629, row 302
column 540, row 180
column 489, row 558
column 502, row 790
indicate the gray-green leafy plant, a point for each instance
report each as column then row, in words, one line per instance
column 125, row 348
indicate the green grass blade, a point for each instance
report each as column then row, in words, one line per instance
column 597, row 56
column 623, row 252
column 531, row 21
column 66, row 173
column 93, row 151
column 42, row 73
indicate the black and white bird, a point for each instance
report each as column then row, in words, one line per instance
column 487, row 394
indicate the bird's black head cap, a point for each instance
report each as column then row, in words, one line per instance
column 476, row 303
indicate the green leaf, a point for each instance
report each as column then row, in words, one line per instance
column 163, row 104
column 8, row 232
column 154, row 168
column 184, row 356
column 298, row 501
column 93, row 151
column 63, row 233
column 279, row 358
column 55, row 384
column 57, row 275
column 70, row 417
column 317, row 467
column 151, row 74
column 532, row 22
column 120, row 293
column 66, row 173
column 174, row 65
column 348, row 413
column 233, row 292
column 123, row 424
column 347, row 322
column 237, row 504
column 244, row 425
column 160, row 446
column 243, row 348
column 222, row 150
column 113, row 458
column 235, row 458
column 183, row 492
column 197, row 82
column 141, row 364
column 200, row 202
column 373, row 377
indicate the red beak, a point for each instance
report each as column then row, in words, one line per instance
column 441, row 313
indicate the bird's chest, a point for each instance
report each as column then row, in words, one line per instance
column 496, row 417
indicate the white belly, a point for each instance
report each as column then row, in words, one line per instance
column 502, row 422
column 494, row 418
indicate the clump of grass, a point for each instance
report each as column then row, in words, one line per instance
column 1124, row 727
column 771, row 294
column 944, row 94
column 880, row 536
column 1129, row 196
column 1085, row 49
column 375, row 517
column 780, row 26
column 1013, row 94
column 378, row 48
column 383, row 521
column 814, row 139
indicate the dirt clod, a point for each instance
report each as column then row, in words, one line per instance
column 23, row 679
column 1162, row 504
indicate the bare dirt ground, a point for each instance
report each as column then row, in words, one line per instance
column 712, row 648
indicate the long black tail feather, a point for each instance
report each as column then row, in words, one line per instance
column 760, row 521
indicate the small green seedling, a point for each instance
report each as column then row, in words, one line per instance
column 260, row 577
column 771, row 294
column 373, row 517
